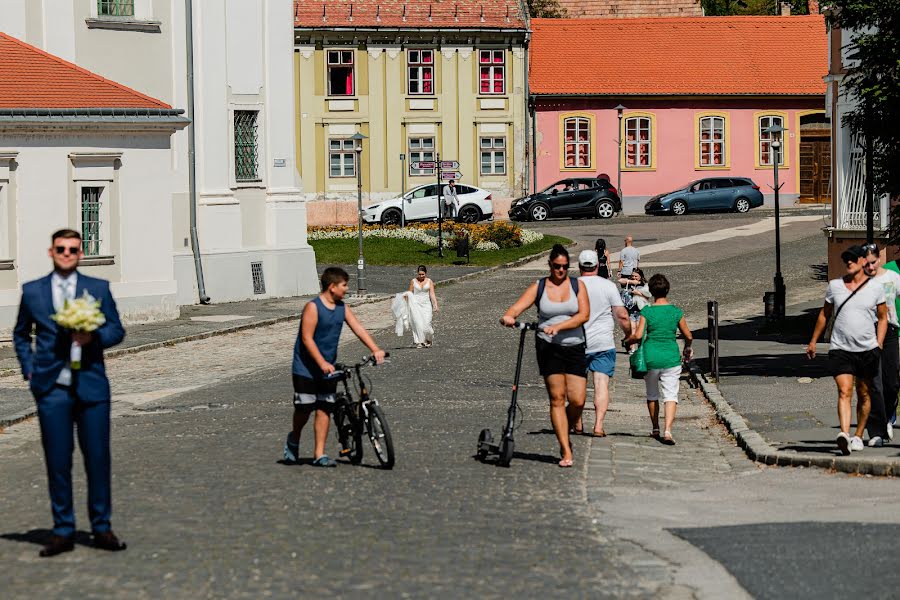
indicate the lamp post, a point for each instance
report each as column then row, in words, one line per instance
column 361, row 262
column 619, row 110
column 776, row 131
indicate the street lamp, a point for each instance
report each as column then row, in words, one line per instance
column 775, row 133
column 361, row 262
column 619, row 110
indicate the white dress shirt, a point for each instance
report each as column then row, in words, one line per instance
column 63, row 289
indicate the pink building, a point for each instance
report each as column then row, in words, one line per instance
column 695, row 96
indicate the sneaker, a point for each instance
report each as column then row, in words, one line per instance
column 291, row 449
column 890, row 431
column 876, row 442
column 843, row 443
column 856, row 444
column 324, row 461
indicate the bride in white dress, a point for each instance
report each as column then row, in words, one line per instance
column 421, row 302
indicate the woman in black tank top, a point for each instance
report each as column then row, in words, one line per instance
column 603, row 254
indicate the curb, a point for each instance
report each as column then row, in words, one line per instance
column 759, row 450
column 6, row 421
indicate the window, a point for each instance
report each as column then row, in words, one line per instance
column 493, row 156
column 638, row 142
column 91, row 225
column 420, row 68
column 341, row 158
column 577, row 136
column 421, row 149
column 492, row 71
column 766, row 152
column 246, row 145
column 340, row 72
column 712, row 142
column 115, row 8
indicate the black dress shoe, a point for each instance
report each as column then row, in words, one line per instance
column 108, row 541
column 58, row 544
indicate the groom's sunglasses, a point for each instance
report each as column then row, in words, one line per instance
column 67, row 250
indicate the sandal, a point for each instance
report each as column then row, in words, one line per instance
column 600, row 433
column 655, row 434
column 565, row 463
column 667, row 439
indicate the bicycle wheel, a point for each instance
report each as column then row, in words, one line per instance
column 380, row 436
column 349, row 434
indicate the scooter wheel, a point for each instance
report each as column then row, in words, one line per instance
column 506, row 453
column 484, row 440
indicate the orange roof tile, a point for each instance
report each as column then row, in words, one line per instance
column 32, row 78
column 420, row 14
column 680, row 56
column 619, row 9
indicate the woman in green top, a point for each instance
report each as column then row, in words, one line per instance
column 662, row 321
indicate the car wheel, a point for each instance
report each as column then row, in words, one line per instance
column 741, row 205
column 679, row 207
column 390, row 217
column 540, row 212
column 469, row 214
column 605, row 210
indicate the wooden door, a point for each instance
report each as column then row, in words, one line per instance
column 815, row 171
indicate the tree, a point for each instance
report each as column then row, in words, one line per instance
column 716, row 8
column 873, row 80
column 545, row 9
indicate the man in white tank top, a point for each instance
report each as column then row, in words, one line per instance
column 606, row 308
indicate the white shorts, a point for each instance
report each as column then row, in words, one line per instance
column 663, row 383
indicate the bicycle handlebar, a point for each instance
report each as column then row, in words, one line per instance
column 367, row 361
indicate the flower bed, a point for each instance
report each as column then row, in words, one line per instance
column 484, row 238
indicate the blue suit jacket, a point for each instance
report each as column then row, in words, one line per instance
column 52, row 346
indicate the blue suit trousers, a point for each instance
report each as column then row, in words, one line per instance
column 59, row 412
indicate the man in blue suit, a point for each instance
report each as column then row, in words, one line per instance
column 68, row 397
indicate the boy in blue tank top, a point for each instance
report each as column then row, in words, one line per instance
column 315, row 353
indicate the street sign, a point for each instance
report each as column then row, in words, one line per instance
column 448, row 175
column 421, row 164
column 449, row 164
column 402, row 156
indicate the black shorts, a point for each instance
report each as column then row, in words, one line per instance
column 319, row 393
column 859, row 364
column 554, row 359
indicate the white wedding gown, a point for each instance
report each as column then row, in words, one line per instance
column 413, row 310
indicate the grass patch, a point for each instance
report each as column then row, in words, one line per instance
column 386, row 251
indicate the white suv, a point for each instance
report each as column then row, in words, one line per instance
column 421, row 203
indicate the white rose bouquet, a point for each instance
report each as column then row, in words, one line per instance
column 81, row 315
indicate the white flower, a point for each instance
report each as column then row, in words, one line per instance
column 81, row 314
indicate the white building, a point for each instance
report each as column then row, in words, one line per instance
column 250, row 214
column 77, row 150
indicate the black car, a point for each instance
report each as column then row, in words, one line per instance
column 577, row 197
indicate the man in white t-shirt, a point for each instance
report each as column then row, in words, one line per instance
column 857, row 337
column 600, row 346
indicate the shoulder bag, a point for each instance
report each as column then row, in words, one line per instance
column 830, row 327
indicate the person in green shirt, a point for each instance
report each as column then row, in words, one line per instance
column 893, row 266
column 662, row 321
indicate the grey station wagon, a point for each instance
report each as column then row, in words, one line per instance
column 739, row 194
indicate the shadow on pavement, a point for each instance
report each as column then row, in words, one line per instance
column 41, row 537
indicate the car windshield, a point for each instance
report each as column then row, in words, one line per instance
column 688, row 186
column 560, row 186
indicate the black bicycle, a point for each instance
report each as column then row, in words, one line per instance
column 357, row 412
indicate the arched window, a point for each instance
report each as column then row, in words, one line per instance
column 712, row 141
column 639, row 142
column 577, row 147
column 766, row 154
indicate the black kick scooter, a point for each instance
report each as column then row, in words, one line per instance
column 504, row 450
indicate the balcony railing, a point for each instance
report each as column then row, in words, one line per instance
column 852, row 201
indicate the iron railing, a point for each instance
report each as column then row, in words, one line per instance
column 851, row 212
column 115, row 8
column 246, row 139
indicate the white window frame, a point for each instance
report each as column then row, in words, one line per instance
column 418, row 151
column 416, row 69
column 494, row 148
column 340, row 63
column 584, row 144
column 766, row 138
column 5, row 231
column 637, row 142
column 104, row 215
column 708, row 124
column 347, row 147
column 495, row 70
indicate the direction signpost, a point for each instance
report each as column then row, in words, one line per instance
column 446, row 170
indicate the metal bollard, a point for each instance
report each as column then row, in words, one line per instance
column 712, row 328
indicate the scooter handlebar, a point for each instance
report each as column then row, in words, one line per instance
column 526, row 326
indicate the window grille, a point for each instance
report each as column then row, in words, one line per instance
column 493, row 156
column 340, row 72
column 246, row 141
column 90, row 220
column 421, row 149
column 115, row 8
column 765, row 140
column 577, row 143
column 712, row 141
column 492, row 71
column 420, row 67
column 638, row 140
column 341, row 158
column 259, row 280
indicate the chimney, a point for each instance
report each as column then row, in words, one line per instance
column 785, row 9
column 813, row 7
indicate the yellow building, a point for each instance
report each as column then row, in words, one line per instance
column 418, row 80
